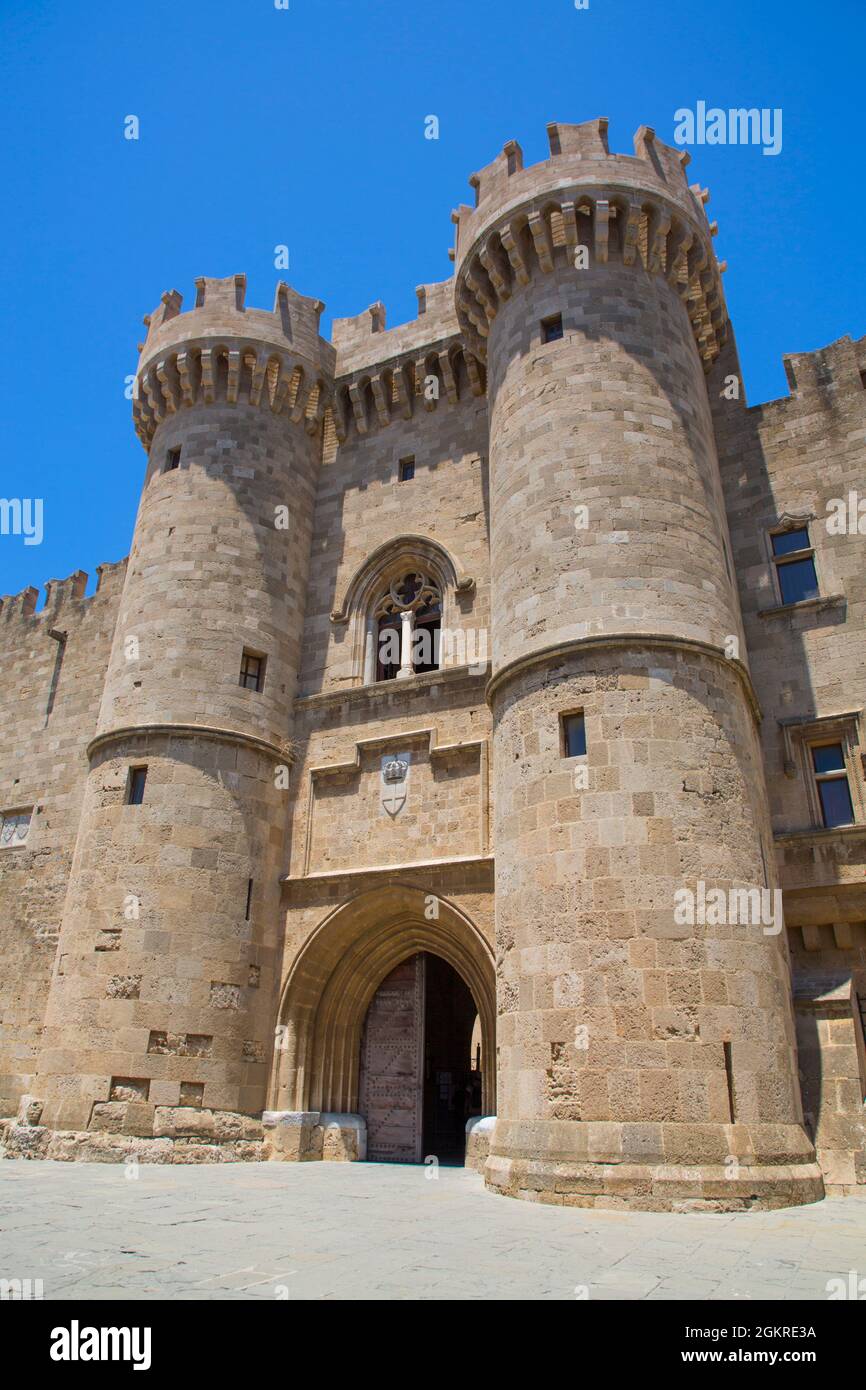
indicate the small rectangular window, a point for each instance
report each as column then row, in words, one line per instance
column 14, row 828
column 252, row 671
column 135, row 786
column 794, row 559
column 406, row 470
column 573, row 735
column 172, row 460
column 831, row 780
column 551, row 328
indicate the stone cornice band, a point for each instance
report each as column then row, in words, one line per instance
column 580, row 645
column 282, row 752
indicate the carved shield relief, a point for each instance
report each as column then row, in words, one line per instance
column 395, row 781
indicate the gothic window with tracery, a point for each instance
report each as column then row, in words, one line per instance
column 405, row 627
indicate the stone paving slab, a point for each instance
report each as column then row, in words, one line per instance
column 382, row 1231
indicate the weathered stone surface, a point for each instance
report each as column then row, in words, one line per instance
column 344, row 1138
column 70, row 1147
column 292, row 1136
column 478, row 1135
column 179, row 1121
column 558, row 454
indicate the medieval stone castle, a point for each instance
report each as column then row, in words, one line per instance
column 431, row 777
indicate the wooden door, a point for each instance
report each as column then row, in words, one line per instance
column 391, row 1072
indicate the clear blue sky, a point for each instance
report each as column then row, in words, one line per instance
column 306, row 127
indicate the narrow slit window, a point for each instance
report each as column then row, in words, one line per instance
column 794, row 559
column 252, row 671
column 135, row 786
column 573, row 735
column 831, row 780
column 551, row 328
column 249, row 905
column 729, row 1077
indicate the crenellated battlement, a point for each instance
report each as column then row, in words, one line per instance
column 838, row 368
column 220, row 351
column 220, row 311
column 386, row 374
column 364, row 341
column 636, row 208
column 60, row 593
column 827, row 379
column 580, row 151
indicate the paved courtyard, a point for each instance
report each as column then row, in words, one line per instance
column 355, row 1231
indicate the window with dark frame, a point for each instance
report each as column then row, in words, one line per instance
column 414, row 599
column 172, row 460
column 831, row 781
column 551, row 328
column 573, row 735
column 406, row 470
column 135, row 786
column 426, row 637
column 794, row 558
column 252, row 670
column 388, row 636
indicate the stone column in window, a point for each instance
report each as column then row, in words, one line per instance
column 406, row 668
column 370, row 652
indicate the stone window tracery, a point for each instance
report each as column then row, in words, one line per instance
column 404, row 629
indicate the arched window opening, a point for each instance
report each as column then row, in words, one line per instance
column 406, row 628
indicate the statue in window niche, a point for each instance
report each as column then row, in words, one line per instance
column 395, row 778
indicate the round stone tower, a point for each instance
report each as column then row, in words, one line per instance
column 164, row 995
column 646, row 1048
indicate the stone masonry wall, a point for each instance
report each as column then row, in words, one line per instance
column 338, row 818
column 49, row 700
column 160, row 1018
column 788, row 459
column 361, row 506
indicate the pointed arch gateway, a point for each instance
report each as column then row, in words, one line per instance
column 330, row 987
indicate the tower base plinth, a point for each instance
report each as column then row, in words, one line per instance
column 654, row 1167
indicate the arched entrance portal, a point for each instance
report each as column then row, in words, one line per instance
column 418, row 1082
column 336, row 975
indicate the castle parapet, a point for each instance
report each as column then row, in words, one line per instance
column 584, row 200
column 60, row 592
column 386, row 374
column 221, row 351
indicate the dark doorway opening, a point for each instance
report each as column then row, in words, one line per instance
column 452, row 1086
column 421, row 1063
